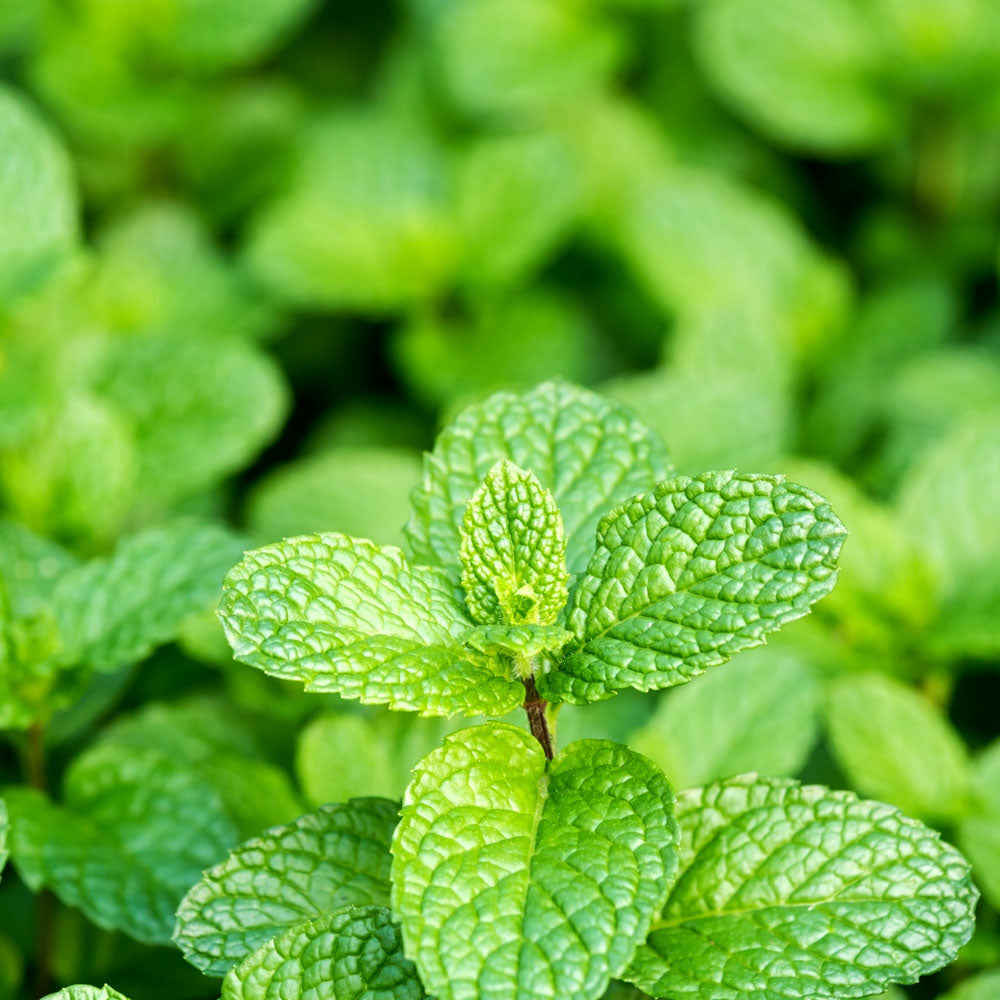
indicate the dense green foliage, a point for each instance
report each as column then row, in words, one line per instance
column 256, row 256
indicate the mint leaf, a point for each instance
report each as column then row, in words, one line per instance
column 355, row 952
column 115, row 610
column 795, row 890
column 979, row 828
column 893, row 744
column 534, row 881
column 363, row 492
column 588, row 451
column 345, row 615
column 335, row 856
column 517, row 640
column 38, row 199
column 686, row 576
column 141, row 818
column 86, row 993
column 513, row 550
column 760, row 713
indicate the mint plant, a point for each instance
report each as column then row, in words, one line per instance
column 520, row 869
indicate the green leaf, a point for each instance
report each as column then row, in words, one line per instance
column 199, row 408
column 513, row 550
column 38, row 200
column 142, row 818
column 517, row 640
column 86, row 993
column 588, row 451
column 363, row 492
column 3, row 834
column 344, row 615
column 333, row 857
column 355, row 953
column 686, row 576
column 511, row 879
column 979, row 829
column 948, row 500
column 985, row 986
column 760, row 713
column 789, row 890
column 158, row 273
column 115, row 610
column 517, row 197
column 804, row 74
column 893, row 744
column 366, row 222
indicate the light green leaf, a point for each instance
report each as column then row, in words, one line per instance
column 38, row 200
column 948, row 501
column 789, row 890
column 979, row 829
column 344, row 615
column 340, row 756
column 363, row 492
column 760, row 713
column 511, row 879
column 86, row 993
column 142, row 817
column 985, row 986
column 517, row 640
column 157, row 272
column 499, row 342
column 115, row 610
column 588, row 451
column 513, row 550
column 893, row 744
column 517, row 196
column 803, row 73
column 366, row 223
column 198, row 407
column 333, row 857
column 353, row 954
column 686, row 576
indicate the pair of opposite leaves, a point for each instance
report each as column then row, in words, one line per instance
column 513, row 878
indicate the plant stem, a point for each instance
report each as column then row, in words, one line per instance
column 45, row 911
column 535, row 707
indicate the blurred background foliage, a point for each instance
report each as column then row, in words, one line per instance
column 253, row 252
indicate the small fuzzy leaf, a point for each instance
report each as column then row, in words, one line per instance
column 587, row 450
column 511, row 879
column 517, row 640
column 333, row 857
column 792, row 890
column 686, row 576
column 345, row 615
column 354, row 953
column 513, row 550
column 893, row 744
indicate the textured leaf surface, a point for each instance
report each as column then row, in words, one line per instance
column 345, row 615
column 513, row 550
column 691, row 573
column 333, row 857
column 38, row 209
column 511, row 880
column 355, row 953
column 759, row 713
column 517, row 640
column 116, row 610
column 894, row 745
column 589, row 451
column 81, row 992
column 797, row 891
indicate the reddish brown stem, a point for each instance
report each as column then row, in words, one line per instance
column 535, row 707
